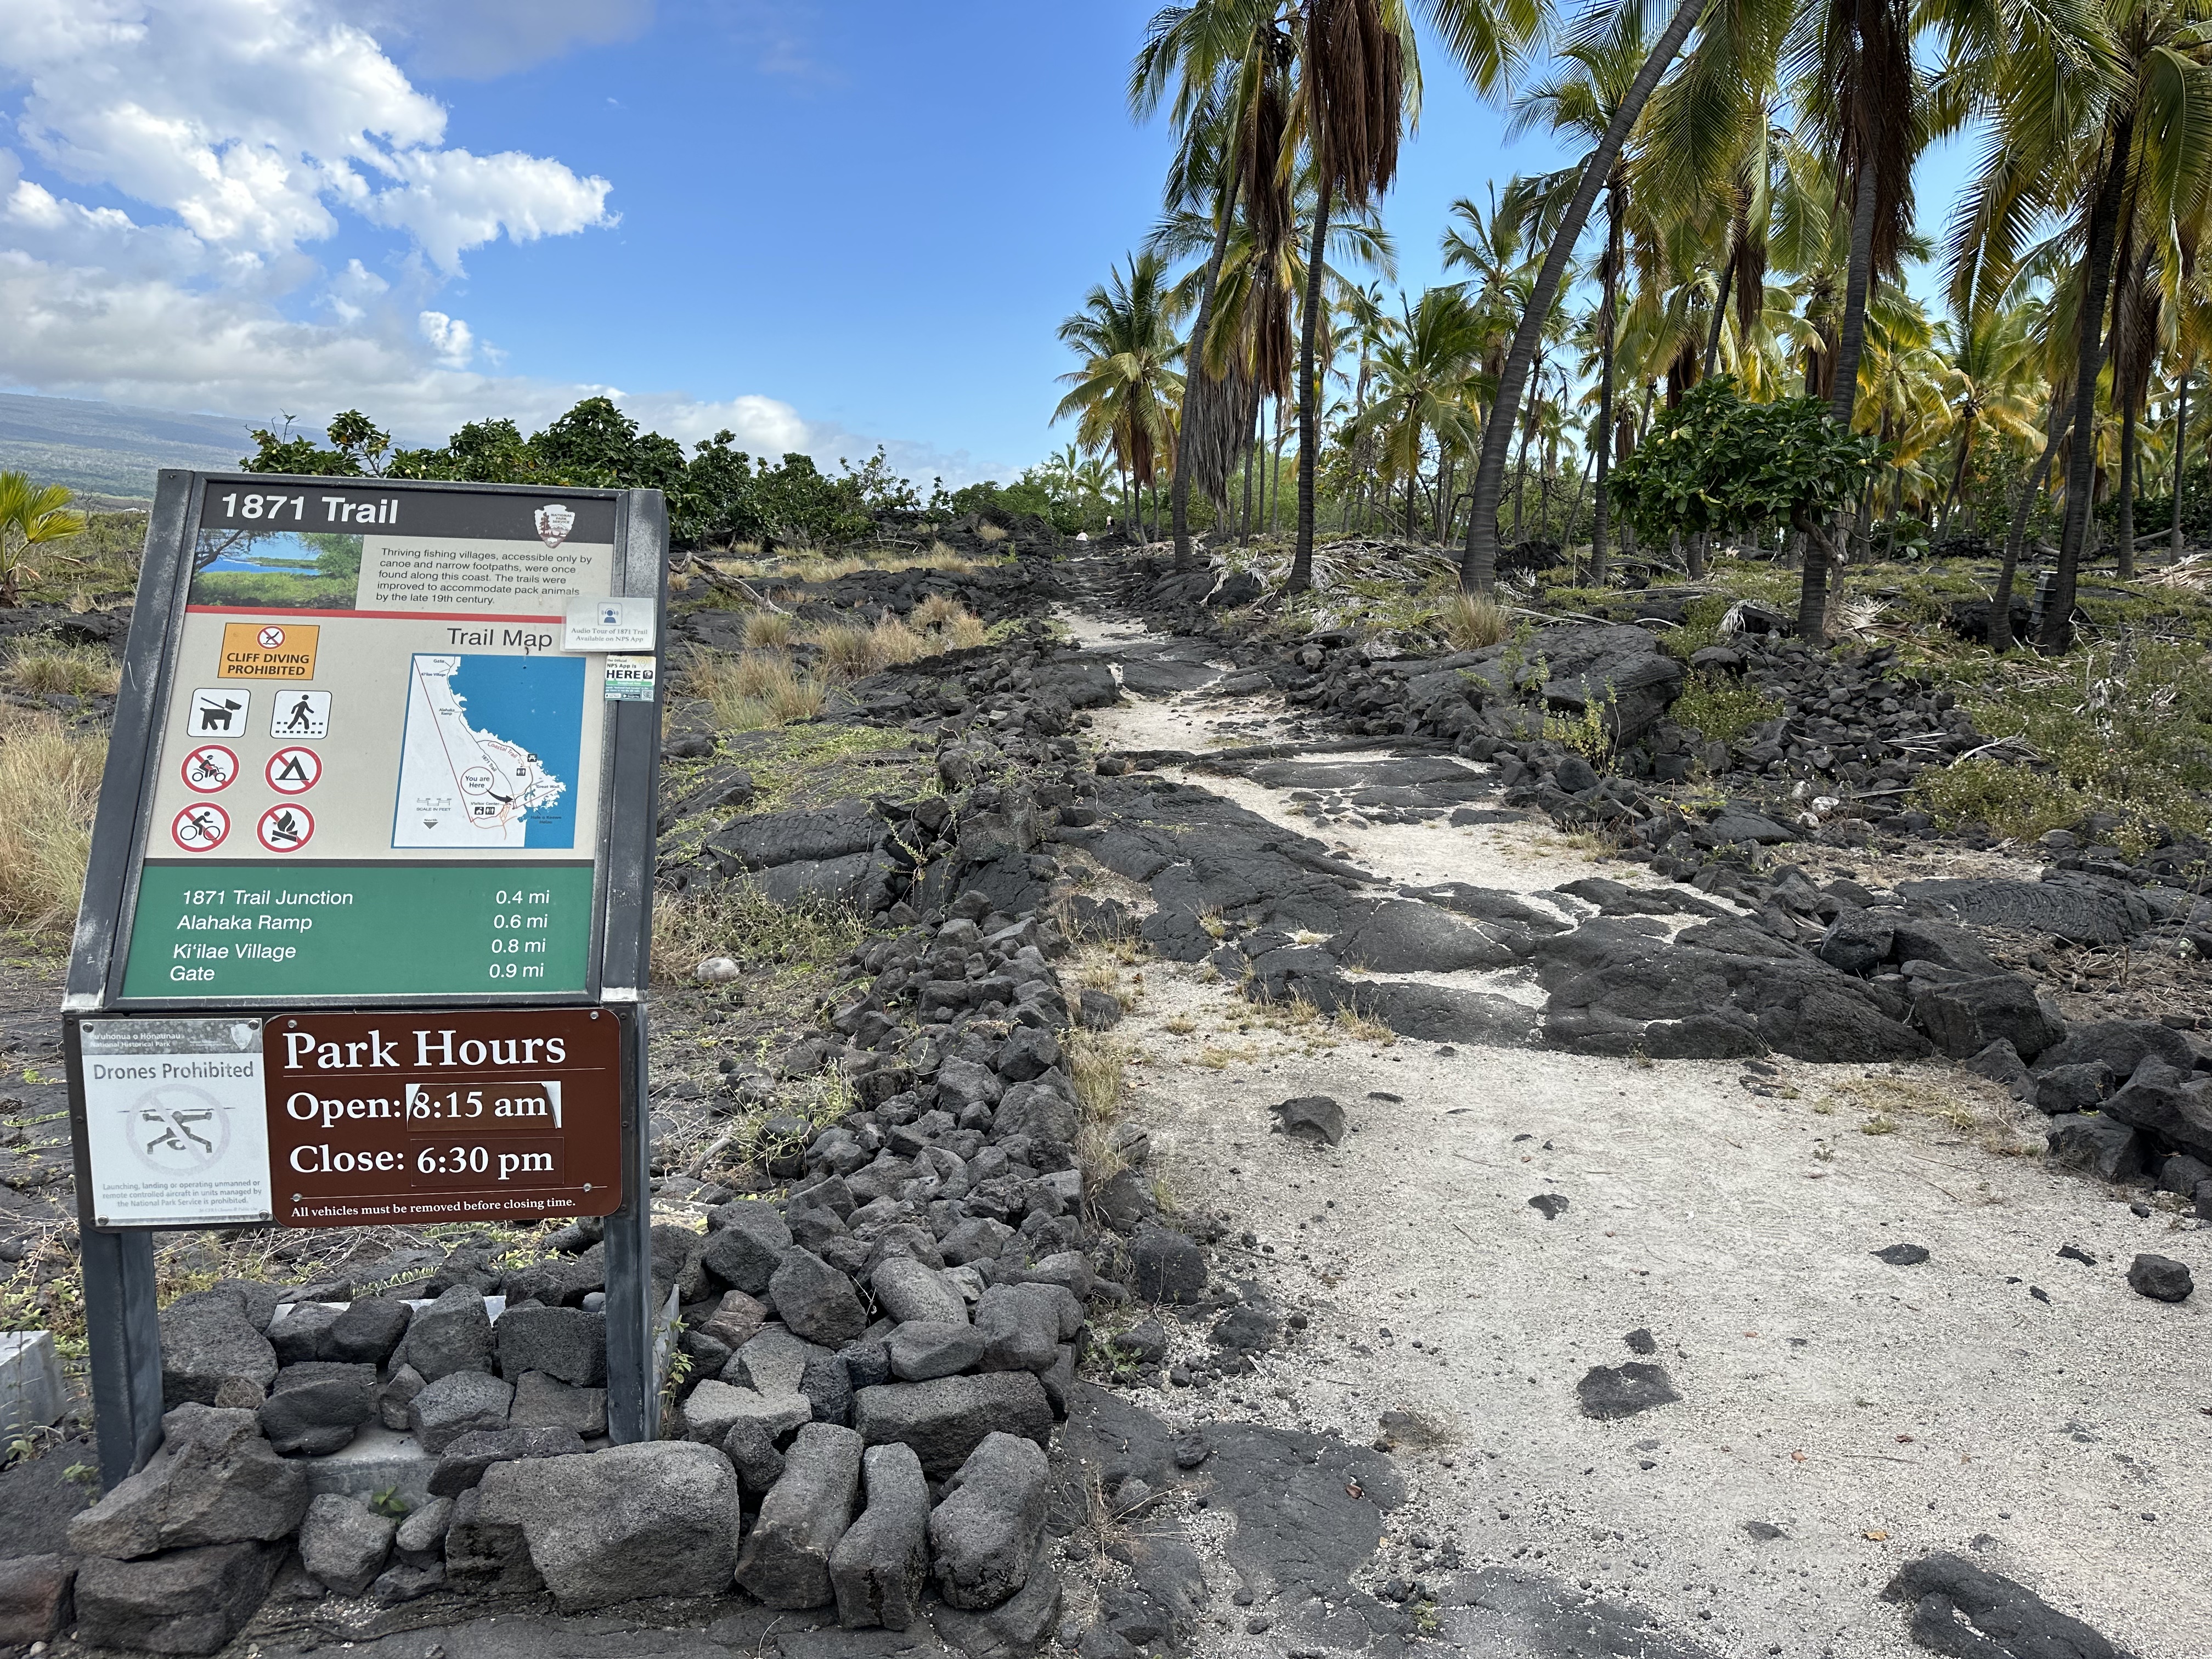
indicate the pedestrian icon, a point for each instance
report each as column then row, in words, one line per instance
column 222, row 711
column 200, row 826
column 285, row 829
column 301, row 714
column 209, row 767
column 294, row 771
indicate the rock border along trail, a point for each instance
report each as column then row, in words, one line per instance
column 1829, row 1415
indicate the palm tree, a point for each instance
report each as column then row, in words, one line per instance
column 1127, row 393
column 1228, row 60
column 1360, row 85
column 1426, row 372
column 29, row 514
column 1478, row 47
column 1994, row 387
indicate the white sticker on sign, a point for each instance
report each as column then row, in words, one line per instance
column 630, row 679
column 176, row 1122
column 609, row 624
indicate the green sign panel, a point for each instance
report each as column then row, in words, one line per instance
column 255, row 930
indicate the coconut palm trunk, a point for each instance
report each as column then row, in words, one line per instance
column 1826, row 549
column 2054, row 434
column 2181, row 451
column 1479, row 566
column 1310, row 394
column 1200, row 383
column 1608, row 321
column 2127, row 503
column 2081, row 461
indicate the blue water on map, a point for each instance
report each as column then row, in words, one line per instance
column 538, row 703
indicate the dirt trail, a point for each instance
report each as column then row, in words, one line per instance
column 1838, row 1415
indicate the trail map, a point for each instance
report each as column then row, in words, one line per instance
column 489, row 757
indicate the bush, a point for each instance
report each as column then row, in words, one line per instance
column 1721, row 706
column 2003, row 796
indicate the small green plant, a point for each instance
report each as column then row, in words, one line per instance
column 739, row 922
column 388, row 1501
column 82, row 1475
column 1722, row 708
column 1593, row 732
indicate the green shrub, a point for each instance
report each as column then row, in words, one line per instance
column 1723, row 707
column 2009, row 798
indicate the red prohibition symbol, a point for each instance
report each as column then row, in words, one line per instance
column 285, row 829
column 209, row 767
column 200, row 826
column 294, row 771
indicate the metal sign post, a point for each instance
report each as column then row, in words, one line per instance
column 365, row 927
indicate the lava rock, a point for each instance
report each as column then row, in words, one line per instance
column 751, row 1450
column 1314, row 1118
column 1404, row 937
column 1608, row 1392
column 316, row 1406
column 453, row 1333
column 466, row 1458
column 1549, row 1205
column 206, row 1337
column 982, row 1535
column 301, row 1334
column 345, row 1543
column 924, row 1348
column 1965, row 1016
column 546, row 1402
column 368, row 1331
column 455, row 1404
column 816, row 1301
column 214, row 1480
column 1165, row 1267
column 786, row 1561
column 656, row 1518
column 907, row 1290
column 714, row 1408
column 2170, row 1103
column 745, row 1242
column 189, row 1601
column 2102, row 1146
column 567, row 1343
column 879, row 1566
column 1901, row 1256
column 2160, row 1278
column 34, row 1598
column 1961, row 1609
column 1023, row 1325
column 946, row 1418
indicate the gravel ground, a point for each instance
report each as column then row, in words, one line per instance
column 1838, row 1415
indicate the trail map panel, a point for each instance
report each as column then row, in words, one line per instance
column 408, row 763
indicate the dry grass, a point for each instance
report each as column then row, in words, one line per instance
column 769, row 630
column 49, row 786
column 736, row 920
column 755, row 690
column 992, row 534
column 806, row 565
column 1097, row 1065
column 1470, row 621
column 1966, row 1105
column 79, row 671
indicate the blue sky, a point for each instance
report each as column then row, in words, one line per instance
column 828, row 223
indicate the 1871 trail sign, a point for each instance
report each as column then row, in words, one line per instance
column 364, row 937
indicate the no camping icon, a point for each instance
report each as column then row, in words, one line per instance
column 294, row 771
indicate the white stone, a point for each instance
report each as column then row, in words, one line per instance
column 31, row 1394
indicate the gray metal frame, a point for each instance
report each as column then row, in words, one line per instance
column 124, row 1331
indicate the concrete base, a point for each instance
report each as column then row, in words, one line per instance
column 379, row 1459
column 31, row 1393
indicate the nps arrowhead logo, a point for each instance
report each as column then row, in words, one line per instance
column 555, row 521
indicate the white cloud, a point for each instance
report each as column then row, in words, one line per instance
column 238, row 135
column 449, row 337
column 250, row 120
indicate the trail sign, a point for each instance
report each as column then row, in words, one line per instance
column 365, row 931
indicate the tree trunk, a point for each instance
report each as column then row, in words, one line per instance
column 1720, row 315
column 1822, row 553
column 2127, row 513
column 1609, row 307
column 1479, row 567
column 2000, row 628
column 1696, row 562
column 1251, row 451
column 1958, row 484
column 2181, row 450
column 1195, row 366
column 2081, row 470
column 1275, row 499
column 1309, row 398
column 1521, row 466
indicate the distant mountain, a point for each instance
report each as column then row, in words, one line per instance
column 108, row 449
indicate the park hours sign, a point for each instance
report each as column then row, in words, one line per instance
column 365, row 932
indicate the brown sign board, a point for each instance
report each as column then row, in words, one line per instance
column 409, row 1116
